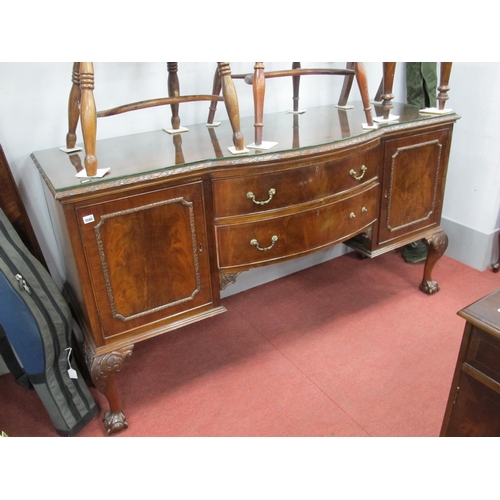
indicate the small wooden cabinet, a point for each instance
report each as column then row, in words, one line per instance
column 148, row 247
column 473, row 407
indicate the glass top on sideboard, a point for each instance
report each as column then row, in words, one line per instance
column 158, row 151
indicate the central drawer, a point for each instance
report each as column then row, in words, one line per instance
column 267, row 191
column 244, row 245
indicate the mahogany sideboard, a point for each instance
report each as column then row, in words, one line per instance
column 149, row 246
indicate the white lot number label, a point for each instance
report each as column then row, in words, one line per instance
column 88, row 219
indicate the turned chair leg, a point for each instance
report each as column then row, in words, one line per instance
column 296, row 88
column 444, row 88
column 496, row 265
column 231, row 102
column 216, row 90
column 346, row 86
column 362, row 80
column 174, row 91
column 259, row 90
column 88, row 116
column 389, row 69
column 73, row 106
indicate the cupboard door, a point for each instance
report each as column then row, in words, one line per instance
column 476, row 406
column 413, row 185
column 146, row 257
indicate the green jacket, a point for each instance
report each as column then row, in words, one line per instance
column 421, row 84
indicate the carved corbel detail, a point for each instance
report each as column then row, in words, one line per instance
column 227, row 279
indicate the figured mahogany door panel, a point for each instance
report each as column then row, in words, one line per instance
column 146, row 256
column 272, row 239
column 413, row 185
column 269, row 191
column 476, row 408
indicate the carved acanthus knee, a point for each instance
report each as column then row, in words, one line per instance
column 102, row 370
column 102, row 367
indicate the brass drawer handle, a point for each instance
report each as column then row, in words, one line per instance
column 353, row 173
column 251, row 196
column 255, row 243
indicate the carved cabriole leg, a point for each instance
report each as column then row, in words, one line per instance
column 88, row 116
column 259, row 90
column 174, row 91
column 436, row 246
column 232, row 107
column 444, row 79
column 73, row 106
column 363, row 90
column 103, row 370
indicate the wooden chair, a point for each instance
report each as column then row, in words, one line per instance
column 258, row 79
column 82, row 107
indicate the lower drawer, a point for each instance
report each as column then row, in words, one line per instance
column 255, row 243
column 483, row 353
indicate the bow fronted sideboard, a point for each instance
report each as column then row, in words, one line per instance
column 149, row 246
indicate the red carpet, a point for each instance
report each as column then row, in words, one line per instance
column 346, row 348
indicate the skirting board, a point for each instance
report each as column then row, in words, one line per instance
column 261, row 275
column 470, row 246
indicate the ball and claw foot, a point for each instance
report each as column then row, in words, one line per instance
column 429, row 287
column 114, row 422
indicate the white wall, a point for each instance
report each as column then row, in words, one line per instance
column 472, row 201
column 33, row 116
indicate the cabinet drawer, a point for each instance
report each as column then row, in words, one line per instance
column 272, row 239
column 273, row 190
column 483, row 353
